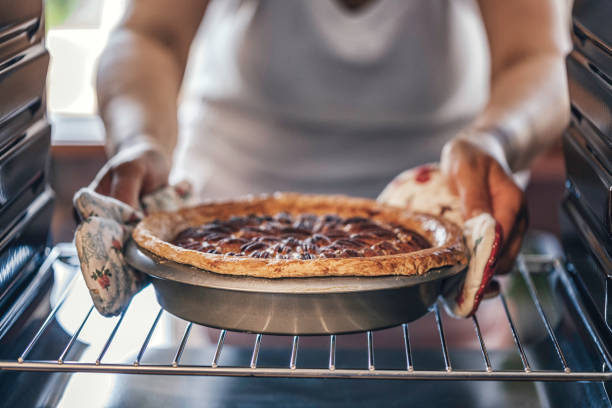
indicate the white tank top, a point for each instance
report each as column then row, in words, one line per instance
column 303, row 95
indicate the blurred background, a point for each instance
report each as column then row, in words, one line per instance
column 77, row 32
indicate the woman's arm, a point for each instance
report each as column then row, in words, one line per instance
column 139, row 79
column 529, row 104
column 527, row 110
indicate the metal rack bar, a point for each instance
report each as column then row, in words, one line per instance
column 111, row 337
column 371, row 366
column 145, row 343
column 179, row 352
column 330, row 371
column 515, row 336
column 447, row 362
column 215, row 361
column 76, row 334
column 534, row 297
column 483, row 347
column 407, row 349
column 294, row 350
column 256, row 348
column 48, row 320
column 332, row 352
column 471, row 375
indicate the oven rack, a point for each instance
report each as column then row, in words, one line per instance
column 526, row 265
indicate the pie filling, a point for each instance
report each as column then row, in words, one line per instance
column 305, row 236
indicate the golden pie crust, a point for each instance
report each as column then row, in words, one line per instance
column 155, row 231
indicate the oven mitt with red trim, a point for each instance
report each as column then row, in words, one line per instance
column 106, row 225
column 424, row 189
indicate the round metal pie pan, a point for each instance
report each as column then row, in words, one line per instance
column 295, row 306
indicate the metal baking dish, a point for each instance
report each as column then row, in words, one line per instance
column 295, row 306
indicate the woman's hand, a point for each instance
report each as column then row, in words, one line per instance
column 134, row 171
column 483, row 185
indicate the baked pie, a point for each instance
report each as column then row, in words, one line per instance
column 296, row 235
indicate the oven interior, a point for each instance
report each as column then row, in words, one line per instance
column 544, row 340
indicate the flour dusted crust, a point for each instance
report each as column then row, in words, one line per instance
column 155, row 231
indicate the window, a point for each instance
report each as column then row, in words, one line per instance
column 77, row 32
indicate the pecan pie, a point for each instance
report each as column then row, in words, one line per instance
column 295, row 235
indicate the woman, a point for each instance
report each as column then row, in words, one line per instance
column 334, row 96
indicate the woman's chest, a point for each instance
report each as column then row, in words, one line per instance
column 399, row 55
column 396, row 60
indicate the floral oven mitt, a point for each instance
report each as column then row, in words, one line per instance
column 424, row 189
column 106, row 225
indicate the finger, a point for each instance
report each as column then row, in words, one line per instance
column 126, row 186
column 156, row 172
column 102, row 182
column 492, row 290
column 473, row 192
column 513, row 245
column 152, row 182
column 506, row 260
column 508, row 200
